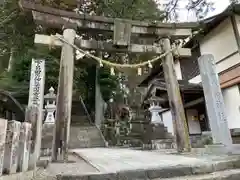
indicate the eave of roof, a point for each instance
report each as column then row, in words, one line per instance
column 208, row 24
column 184, row 86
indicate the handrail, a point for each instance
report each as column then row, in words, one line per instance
column 91, row 121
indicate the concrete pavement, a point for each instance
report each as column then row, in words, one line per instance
column 128, row 164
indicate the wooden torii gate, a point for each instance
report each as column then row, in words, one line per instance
column 121, row 30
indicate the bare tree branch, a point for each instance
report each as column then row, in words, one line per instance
column 200, row 7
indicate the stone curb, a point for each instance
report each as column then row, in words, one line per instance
column 168, row 172
column 220, row 175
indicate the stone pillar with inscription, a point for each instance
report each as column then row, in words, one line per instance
column 214, row 101
column 12, row 147
column 24, row 146
column 3, row 131
column 36, row 99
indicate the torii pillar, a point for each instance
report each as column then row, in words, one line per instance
column 64, row 98
column 64, row 93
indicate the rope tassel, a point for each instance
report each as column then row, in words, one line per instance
column 139, row 71
column 79, row 55
column 51, row 44
column 100, row 64
column 112, row 71
column 150, row 65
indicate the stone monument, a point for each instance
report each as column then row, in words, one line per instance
column 24, row 146
column 222, row 139
column 214, row 101
column 3, row 127
column 12, row 147
column 35, row 101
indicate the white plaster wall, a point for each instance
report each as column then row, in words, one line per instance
column 220, row 41
column 226, row 64
column 231, row 98
column 168, row 121
column 193, row 125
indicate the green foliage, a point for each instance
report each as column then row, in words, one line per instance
column 108, row 83
column 16, row 33
column 17, row 28
column 199, row 7
column 130, row 9
column 10, row 84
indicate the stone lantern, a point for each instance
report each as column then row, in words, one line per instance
column 155, row 109
column 50, row 107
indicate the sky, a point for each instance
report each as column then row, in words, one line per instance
column 219, row 6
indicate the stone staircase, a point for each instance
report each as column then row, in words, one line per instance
column 177, row 174
column 143, row 134
column 83, row 134
column 85, row 137
column 139, row 133
column 162, row 139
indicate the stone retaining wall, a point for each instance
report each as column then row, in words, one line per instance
column 15, row 143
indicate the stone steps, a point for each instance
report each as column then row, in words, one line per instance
column 85, row 137
column 232, row 174
column 225, row 170
column 164, row 144
column 80, row 137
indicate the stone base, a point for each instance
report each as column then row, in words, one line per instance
column 147, row 147
column 47, row 136
column 158, row 131
column 235, row 135
column 80, row 137
column 164, row 144
column 235, row 132
column 46, row 152
column 222, row 149
column 199, row 141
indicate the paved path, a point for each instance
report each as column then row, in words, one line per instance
column 115, row 160
column 100, row 161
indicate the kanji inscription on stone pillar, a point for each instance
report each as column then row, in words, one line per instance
column 214, row 101
column 36, row 100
